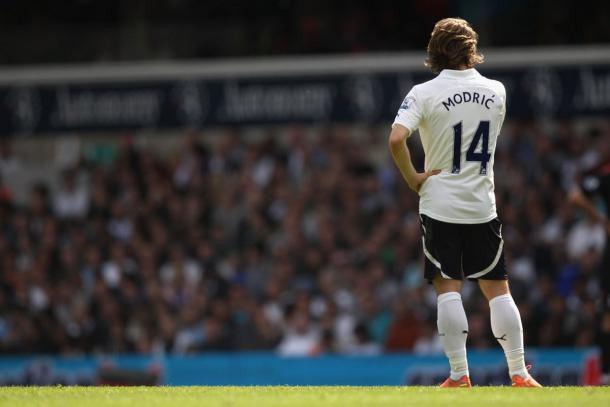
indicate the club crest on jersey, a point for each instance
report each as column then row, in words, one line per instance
column 406, row 104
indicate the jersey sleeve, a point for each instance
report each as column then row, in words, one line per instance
column 410, row 112
column 504, row 101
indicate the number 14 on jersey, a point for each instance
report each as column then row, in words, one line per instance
column 480, row 135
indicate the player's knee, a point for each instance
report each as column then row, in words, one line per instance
column 445, row 285
column 493, row 288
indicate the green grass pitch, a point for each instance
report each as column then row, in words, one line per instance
column 302, row 396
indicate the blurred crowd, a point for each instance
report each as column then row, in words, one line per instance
column 297, row 243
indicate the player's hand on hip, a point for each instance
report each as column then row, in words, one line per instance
column 420, row 178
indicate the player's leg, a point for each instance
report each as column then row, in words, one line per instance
column 506, row 324
column 484, row 260
column 507, row 329
column 442, row 249
column 452, row 329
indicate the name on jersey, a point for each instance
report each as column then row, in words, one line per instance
column 469, row 97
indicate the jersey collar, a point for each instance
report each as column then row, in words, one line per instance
column 459, row 74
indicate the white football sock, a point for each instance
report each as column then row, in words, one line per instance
column 453, row 330
column 506, row 327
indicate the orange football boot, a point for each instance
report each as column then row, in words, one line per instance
column 463, row 381
column 529, row 381
column 519, row 381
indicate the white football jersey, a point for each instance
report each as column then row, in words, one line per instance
column 459, row 115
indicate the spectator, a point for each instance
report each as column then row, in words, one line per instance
column 306, row 247
column 364, row 345
column 301, row 337
column 72, row 198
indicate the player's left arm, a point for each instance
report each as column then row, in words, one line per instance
column 402, row 158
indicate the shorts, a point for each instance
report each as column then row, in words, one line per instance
column 459, row 251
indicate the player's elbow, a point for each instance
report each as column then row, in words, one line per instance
column 396, row 140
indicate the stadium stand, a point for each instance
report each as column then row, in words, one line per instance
column 306, row 243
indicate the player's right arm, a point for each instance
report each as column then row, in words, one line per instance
column 402, row 158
